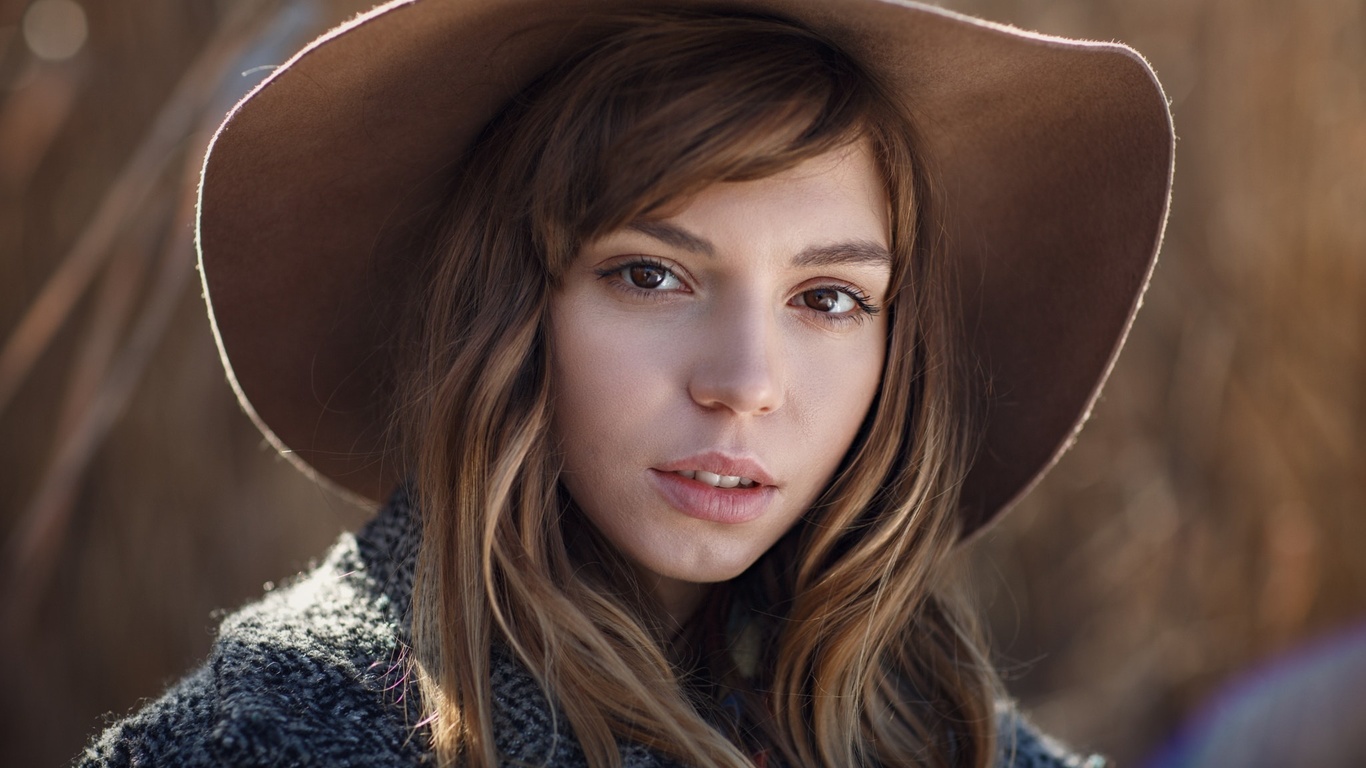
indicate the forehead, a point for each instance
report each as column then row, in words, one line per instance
column 838, row 196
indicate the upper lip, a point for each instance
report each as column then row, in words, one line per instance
column 720, row 463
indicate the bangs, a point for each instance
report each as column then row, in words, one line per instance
column 666, row 104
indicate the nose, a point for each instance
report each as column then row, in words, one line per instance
column 739, row 363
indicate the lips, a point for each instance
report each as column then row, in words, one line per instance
column 721, row 465
column 716, row 488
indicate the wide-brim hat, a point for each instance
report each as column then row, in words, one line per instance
column 1053, row 160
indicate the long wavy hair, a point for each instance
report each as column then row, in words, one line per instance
column 864, row 660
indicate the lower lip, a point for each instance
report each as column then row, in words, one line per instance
column 715, row 505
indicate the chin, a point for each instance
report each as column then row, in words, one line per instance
column 708, row 571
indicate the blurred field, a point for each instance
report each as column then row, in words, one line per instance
column 1210, row 517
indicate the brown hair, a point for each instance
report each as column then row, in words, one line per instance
column 871, row 665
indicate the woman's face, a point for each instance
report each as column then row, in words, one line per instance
column 738, row 336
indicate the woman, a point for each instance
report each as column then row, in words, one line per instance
column 694, row 342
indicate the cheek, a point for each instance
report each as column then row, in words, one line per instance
column 835, row 386
column 605, row 381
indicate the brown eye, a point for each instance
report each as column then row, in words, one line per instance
column 828, row 300
column 646, row 276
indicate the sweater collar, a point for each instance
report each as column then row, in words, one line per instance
column 388, row 547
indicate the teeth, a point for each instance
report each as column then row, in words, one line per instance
column 715, row 480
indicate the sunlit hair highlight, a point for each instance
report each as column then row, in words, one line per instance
column 871, row 664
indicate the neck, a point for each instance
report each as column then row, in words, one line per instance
column 677, row 600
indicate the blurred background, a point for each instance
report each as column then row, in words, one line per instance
column 1201, row 547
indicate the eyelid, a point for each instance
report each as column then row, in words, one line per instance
column 621, row 261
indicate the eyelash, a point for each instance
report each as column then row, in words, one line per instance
column 864, row 303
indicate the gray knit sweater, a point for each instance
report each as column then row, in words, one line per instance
column 313, row 674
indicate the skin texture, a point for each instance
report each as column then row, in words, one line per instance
column 726, row 331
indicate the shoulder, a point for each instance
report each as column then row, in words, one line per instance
column 312, row 674
column 1019, row 744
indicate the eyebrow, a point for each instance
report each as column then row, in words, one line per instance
column 854, row 252
column 676, row 236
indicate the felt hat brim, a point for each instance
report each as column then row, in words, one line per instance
column 1053, row 159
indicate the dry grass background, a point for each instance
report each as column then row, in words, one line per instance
column 1210, row 517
